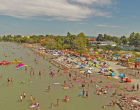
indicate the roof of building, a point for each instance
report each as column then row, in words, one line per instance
column 93, row 39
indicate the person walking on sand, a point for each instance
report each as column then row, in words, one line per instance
column 137, row 87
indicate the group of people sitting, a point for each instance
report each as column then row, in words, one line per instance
column 101, row 91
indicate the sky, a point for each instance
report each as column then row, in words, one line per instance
column 57, row 17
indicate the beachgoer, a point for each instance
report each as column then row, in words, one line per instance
column 57, row 101
column 83, row 92
column 33, row 73
column 30, row 73
column 133, row 87
column 65, row 83
column 72, row 85
column 105, row 92
column 39, row 72
column 44, row 70
column 25, row 68
column 31, row 97
column 137, row 87
column 0, row 76
column 49, row 88
column 38, row 106
column 24, row 95
column 51, row 105
column 113, row 102
column 103, row 106
column 87, row 94
column 88, row 84
column 11, row 79
column 66, row 98
column 21, row 97
column 29, row 80
column 8, row 79
column 58, row 70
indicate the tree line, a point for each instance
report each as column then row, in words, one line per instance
column 77, row 43
column 133, row 39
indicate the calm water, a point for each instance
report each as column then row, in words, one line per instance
column 10, row 96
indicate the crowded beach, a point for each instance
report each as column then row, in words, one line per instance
column 107, row 73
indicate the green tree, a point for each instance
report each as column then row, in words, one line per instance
column 105, row 37
column 50, row 43
column 79, row 46
column 66, row 46
column 31, row 40
column 100, row 37
column 82, row 35
column 109, row 37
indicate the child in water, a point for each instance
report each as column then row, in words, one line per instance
column 51, row 105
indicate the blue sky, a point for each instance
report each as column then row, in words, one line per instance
column 57, row 17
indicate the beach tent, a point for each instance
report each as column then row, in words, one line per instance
column 107, row 62
column 121, row 76
column 112, row 74
column 91, row 68
column 88, row 72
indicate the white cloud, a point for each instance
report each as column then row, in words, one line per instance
column 95, row 2
column 52, row 9
column 129, row 17
column 106, row 25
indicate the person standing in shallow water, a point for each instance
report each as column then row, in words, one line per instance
column 58, row 102
column 39, row 72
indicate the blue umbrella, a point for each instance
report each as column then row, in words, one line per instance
column 112, row 74
column 121, row 75
column 81, row 66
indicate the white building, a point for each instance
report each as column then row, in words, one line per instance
column 103, row 43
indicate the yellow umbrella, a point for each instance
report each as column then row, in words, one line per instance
column 108, row 68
